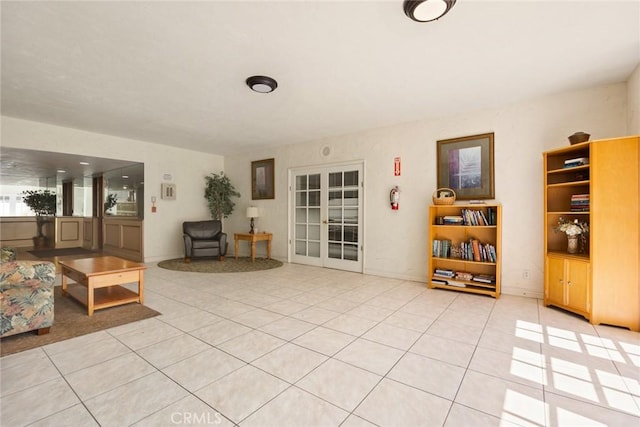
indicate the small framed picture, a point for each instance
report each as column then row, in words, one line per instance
column 168, row 191
column 262, row 186
column 466, row 166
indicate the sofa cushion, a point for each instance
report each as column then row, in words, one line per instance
column 26, row 296
column 204, row 244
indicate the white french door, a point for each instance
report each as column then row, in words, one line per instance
column 326, row 216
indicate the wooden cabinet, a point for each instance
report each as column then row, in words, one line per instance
column 568, row 283
column 602, row 281
column 485, row 230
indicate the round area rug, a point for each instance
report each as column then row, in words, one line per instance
column 229, row 265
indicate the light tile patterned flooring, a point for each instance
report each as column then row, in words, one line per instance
column 304, row 346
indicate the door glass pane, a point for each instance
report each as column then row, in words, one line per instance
column 335, row 198
column 314, row 249
column 351, row 178
column 343, row 215
column 314, row 232
column 335, row 179
column 335, row 232
column 351, row 198
column 351, row 215
column 307, row 220
column 314, row 215
column 351, row 252
column 301, row 215
column 301, row 182
column 314, row 198
column 351, row 233
column 335, row 250
column 335, row 215
column 314, row 182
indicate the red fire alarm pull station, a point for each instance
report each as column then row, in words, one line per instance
column 396, row 166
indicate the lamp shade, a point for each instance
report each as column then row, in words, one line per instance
column 252, row 212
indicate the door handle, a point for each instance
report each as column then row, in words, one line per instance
column 325, row 221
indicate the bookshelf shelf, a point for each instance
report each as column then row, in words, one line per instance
column 466, row 261
column 569, row 184
column 460, row 238
column 565, row 170
column 601, row 283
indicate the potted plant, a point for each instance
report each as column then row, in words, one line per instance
column 218, row 192
column 43, row 204
column 111, row 201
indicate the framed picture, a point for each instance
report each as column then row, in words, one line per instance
column 466, row 166
column 262, row 180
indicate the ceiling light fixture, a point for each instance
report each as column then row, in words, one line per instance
column 262, row 84
column 427, row 10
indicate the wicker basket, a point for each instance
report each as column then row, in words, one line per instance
column 444, row 196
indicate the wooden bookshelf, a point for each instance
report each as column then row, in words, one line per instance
column 489, row 234
column 601, row 282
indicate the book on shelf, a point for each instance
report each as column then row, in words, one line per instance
column 448, row 282
column 579, row 161
column 491, row 212
column 444, row 275
column 476, row 249
column 463, row 275
column 441, row 248
column 452, row 220
column 579, row 203
column 484, row 278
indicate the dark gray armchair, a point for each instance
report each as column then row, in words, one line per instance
column 204, row 239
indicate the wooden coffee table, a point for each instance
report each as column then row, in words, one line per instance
column 96, row 281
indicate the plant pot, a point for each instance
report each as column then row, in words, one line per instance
column 39, row 242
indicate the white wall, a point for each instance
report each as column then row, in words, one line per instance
column 633, row 102
column 163, row 229
column 396, row 242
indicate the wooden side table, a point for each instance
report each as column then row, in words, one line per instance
column 253, row 238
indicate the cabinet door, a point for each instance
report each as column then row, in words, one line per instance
column 578, row 285
column 555, row 281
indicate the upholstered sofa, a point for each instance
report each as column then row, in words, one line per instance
column 204, row 239
column 26, row 296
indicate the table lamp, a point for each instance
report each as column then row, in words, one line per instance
column 252, row 212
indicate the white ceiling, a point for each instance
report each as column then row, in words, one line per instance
column 174, row 72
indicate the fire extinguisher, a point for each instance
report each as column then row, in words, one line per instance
column 394, row 197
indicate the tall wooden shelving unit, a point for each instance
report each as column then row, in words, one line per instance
column 602, row 282
column 463, row 233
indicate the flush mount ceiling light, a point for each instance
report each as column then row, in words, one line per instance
column 262, row 84
column 427, row 10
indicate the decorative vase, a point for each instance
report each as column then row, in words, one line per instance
column 572, row 246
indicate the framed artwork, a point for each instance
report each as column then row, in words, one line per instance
column 262, row 180
column 466, row 166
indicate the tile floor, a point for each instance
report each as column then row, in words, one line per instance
column 304, row 346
